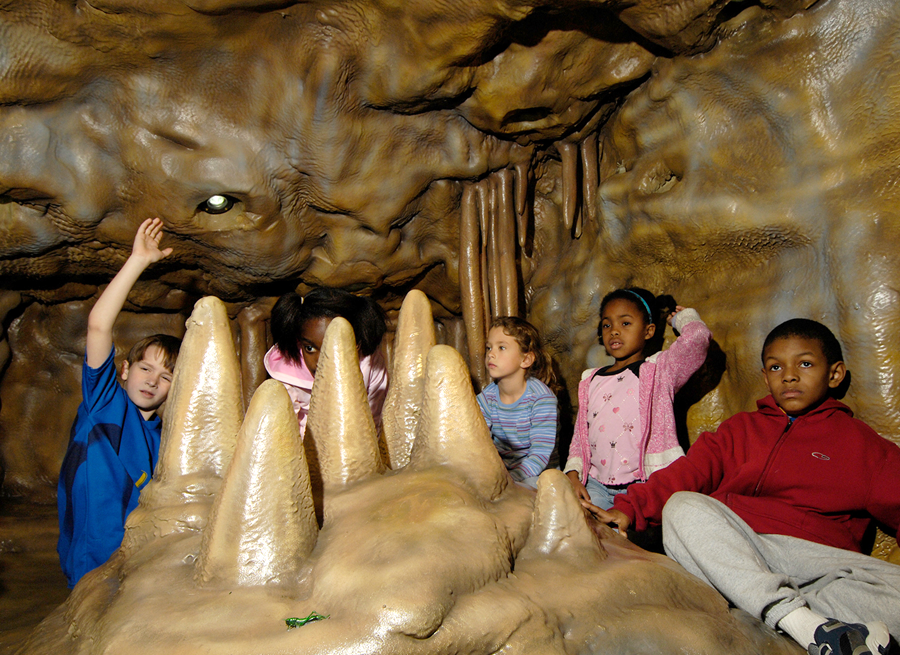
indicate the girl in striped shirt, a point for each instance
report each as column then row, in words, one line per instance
column 519, row 406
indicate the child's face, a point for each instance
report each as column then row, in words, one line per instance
column 503, row 356
column 797, row 374
column 311, row 337
column 623, row 331
column 147, row 382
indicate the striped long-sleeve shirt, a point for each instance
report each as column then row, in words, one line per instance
column 524, row 432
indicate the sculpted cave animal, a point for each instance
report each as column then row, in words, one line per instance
column 243, row 528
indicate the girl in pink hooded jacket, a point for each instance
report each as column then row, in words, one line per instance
column 625, row 428
column 298, row 327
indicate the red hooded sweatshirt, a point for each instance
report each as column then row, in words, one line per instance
column 822, row 478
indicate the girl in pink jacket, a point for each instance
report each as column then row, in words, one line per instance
column 625, row 428
column 298, row 327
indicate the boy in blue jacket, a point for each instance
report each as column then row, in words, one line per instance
column 115, row 438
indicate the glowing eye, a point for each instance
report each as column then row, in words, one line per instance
column 217, row 204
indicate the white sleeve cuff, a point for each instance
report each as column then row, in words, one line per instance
column 574, row 464
column 685, row 316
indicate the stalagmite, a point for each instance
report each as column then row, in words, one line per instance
column 262, row 524
column 452, row 431
column 568, row 153
column 205, row 406
column 414, row 338
column 506, row 243
column 203, row 413
column 472, row 296
column 558, row 527
column 341, row 442
column 590, row 169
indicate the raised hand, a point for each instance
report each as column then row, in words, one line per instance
column 671, row 318
column 146, row 241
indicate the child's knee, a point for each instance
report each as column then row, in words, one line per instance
column 681, row 507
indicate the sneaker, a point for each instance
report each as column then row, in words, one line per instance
column 838, row 638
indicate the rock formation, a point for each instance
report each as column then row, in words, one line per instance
column 442, row 555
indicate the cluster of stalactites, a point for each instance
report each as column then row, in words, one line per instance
column 495, row 221
column 268, row 484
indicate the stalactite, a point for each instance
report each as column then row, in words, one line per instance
column 485, row 290
column 485, row 214
column 568, row 153
column 470, row 280
column 506, row 242
column 253, row 347
column 498, row 299
column 522, row 204
column 590, row 180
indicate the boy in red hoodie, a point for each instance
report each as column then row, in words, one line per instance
column 771, row 509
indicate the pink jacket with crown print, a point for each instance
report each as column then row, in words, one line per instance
column 661, row 376
column 299, row 381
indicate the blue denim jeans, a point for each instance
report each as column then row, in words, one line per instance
column 601, row 495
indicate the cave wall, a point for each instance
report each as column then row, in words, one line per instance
column 500, row 157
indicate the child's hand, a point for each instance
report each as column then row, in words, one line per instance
column 671, row 318
column 611, row 516
column 580, row 492
column 146, row 242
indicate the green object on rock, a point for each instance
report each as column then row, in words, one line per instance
column 296, row 622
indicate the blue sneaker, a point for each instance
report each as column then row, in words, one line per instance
column 838, row 638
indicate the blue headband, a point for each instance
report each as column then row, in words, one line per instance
column 643, row 302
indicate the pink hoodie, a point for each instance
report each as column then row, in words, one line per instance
column 299, row 381
column 661, row 375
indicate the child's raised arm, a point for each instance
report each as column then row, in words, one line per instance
column 144, row 252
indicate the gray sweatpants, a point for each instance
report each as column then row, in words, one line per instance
column 770, row 575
